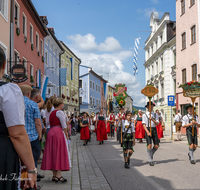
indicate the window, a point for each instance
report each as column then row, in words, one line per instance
column 37, row 41
column 182, row 7
column 16, row 57
column 24, row 63
column 93, row 85
column 97, row 102
column 31, row 34
column 156, row 44
column 93, row 101
column 76, row 75
column 152, row 49
column 46, row 57
column 54, row 65
column 156, row 67
column 184, row 40
column 31, row 70
column 41, row 47
column 80, row 84
column 24, row 25
column 99, row 88
column 50, row 60
column 161, row 38
column 193, row 34
column 67, row 68
column 16, row 13
column 80, row 101
column 90, row 84
column 184, row 79
column 162, row 90
column 62, row 63
column 90, row 100
column 192, row 2
column 46, row 41
column 162, row 65
column 152, row 71
column 96, row 87
column 194, row 72
column 57, row 68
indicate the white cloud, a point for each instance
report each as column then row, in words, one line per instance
column 110, row 65
column 87, row 43
column 147, row 12
column 155, row 1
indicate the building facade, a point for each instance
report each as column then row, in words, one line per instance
column 160, row 62
column 52, row 52
column 71, row 91
column 110, row 97
column 29, row 33
column 89, row 90
column 104, row 92
column 5, row 29
column 188, row 51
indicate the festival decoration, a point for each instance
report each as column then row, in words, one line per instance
column 191, row 90
column 149, row 91
column 135, row 56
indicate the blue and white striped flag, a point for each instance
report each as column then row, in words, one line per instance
column 135, row 56
column 72, row 67
column 63, row 76
column 44, row 87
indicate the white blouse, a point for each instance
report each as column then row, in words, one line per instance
column 12, row 104
column 61, row 116
column 47, row 114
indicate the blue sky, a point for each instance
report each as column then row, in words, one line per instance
column 102, row 32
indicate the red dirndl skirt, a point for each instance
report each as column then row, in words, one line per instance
column 108, row 127
column 139, row 130
column 85, row 133
column 55, row 152
column 159, row 131
column 101, row 131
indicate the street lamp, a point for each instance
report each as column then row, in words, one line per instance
column 47, row 68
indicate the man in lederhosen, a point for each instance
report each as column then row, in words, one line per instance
column 178, row 123
column 146, row 119
column 188, row 123
column 121, row 116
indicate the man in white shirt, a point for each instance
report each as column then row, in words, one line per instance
column 178, row 122
column 189, row 122
column 146, row 119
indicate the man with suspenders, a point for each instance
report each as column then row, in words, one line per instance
column 146, row 119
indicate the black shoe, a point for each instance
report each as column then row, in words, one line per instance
column 192, row 162
column 99, row 143
column 40, row 176
column 189, row 156
column 126, row 165
column 151, row 163
column 38, row 179
column 83, row 144
column 102, row 142
column 86, row 142
column 38, row 187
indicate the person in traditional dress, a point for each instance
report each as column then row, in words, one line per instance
column 139, row 129
column 159, row 126
column 146, row 119
column 128, row 138
column 85, row 128
column 121, row 116
column 101, row 127
column 108, row 126
column 111, row 119
column 55, row 156
column 178, row 124
column 189, row 122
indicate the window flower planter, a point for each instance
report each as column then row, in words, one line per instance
column 43, row 59
column 68, row 98
column 32, row 80
column 72, row 99
column 18, row 31
column 32, row 47
column 25, row 39
column 63, row 96
column 38, row 53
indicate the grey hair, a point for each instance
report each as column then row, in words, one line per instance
column 34, row 93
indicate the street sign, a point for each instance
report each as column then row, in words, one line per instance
column 171, row 100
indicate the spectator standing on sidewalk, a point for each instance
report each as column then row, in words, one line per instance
column 178, row 123
column 33, row 123
column 55, row 156
column 14, row 142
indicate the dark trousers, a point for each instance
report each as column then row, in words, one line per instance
column 35, row 145
column 112, row 130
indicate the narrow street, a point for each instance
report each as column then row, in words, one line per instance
column 102, row 167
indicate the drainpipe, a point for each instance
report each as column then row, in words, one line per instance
column 11, row 53
column 59, row 68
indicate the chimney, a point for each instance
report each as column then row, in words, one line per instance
column 44, row 20
column 52, row 30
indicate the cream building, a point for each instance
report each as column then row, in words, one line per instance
column 160, row 62
column 5, row 28
column 111, row 90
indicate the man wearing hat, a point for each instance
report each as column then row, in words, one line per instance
column 188, row 122
column 33, row 123
column 111, row 123
column 146, row 119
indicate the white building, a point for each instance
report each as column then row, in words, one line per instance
column 160, row 61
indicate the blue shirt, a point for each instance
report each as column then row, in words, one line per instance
column 32, row 112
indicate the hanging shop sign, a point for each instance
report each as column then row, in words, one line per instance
column 19, row 73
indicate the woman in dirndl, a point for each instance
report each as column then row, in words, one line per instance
column 139, row 129
column 56, row 156
column 85, row 128
column 159, row 126
column 101, row 127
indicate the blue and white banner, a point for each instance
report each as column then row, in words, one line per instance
column 72, row 67
column 63, row 76
column 44, row 87
column 135, row 56
column 39, row 79
column 105, row 89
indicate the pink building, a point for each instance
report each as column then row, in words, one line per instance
column 187, row 48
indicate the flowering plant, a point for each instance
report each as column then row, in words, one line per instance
column 63, row 96
column 190, row 83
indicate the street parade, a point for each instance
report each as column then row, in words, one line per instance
column 99, row 95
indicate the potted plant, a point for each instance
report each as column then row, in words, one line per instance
column 25, row 76
column 18, row 31
column 63, row 96
column 25, row 39
column 32, row 47
column 43, row 59
column 76, row 100
column 68, row 97
column 31, row 79
column 72, row 99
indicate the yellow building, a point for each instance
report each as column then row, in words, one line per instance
column 110, row 96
